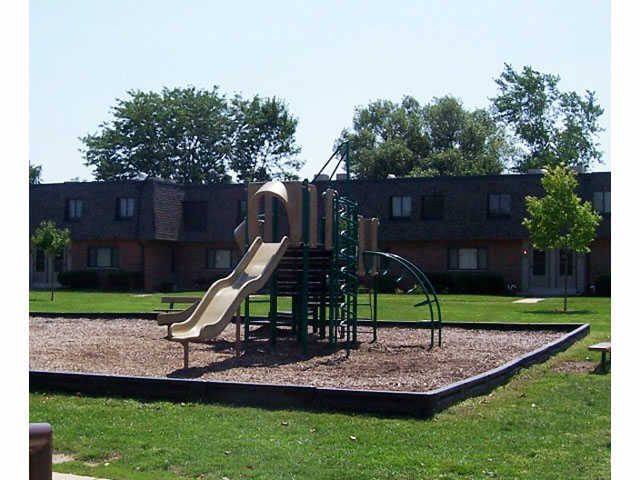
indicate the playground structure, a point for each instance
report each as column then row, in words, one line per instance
column 319, row 253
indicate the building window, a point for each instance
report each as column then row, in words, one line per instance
column 126, row 207
column 40, row 260
column 400, row 207
column 102, row 257
column 74, row 209
column 467, row 259
column 539, row 262
column 218, row 259
column 433, row 207
column 499, row 204
column 602, row 202
column 566, row 263
column 194, row 215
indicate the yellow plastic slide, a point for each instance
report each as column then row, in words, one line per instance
column 224, row 297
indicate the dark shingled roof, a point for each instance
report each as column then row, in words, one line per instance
column 159, row 207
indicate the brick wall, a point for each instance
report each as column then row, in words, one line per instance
column 599, row 259
column 129, row 256
column 504, row 256
column 157, row 265
column 191, row 267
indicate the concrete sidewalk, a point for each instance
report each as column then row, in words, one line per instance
column 69, row 476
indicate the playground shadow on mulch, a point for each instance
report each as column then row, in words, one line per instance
column 260, row 353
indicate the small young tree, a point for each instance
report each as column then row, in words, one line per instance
column 560, row 219
column 52, row 241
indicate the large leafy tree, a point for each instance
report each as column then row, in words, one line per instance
column 439, row 138
column 191, row 136
column 553, row 127
column 262, row 142
column 35, row 174
column 560, row 219
column 52, row 241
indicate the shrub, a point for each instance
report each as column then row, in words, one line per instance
column 451, row 282
column 78, row 279
column 603, row 286
column 123, row 280
column 204, row 283
column 484, row 283
column 387, row 284
column 166, row 287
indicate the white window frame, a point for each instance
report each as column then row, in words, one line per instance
column 101, row 253
column 217, row 254
column 602, row 202
column 468, row 259
column 502, row 211
column 75, row 208
column 126, row 207
column 400, row 206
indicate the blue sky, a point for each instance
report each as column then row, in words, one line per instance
column 322, row 58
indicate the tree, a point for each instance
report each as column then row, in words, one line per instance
column 52, row 241
column 191, row 136
column 410, row 140
column 553, row 127
column 262, row 141
column 179, row 134
column 560, row 219
column 35, row 174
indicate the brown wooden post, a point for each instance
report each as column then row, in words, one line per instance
column 185, row 346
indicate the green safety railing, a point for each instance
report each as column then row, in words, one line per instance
column 434, row 317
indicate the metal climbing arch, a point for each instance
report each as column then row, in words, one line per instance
column 433, row 312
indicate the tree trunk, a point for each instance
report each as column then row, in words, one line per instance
column 565, row 292
column 51, row 273
column 566, row 269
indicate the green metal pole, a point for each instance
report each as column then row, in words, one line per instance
column 333, row 275
column 375, row 306
column 305, row 266
column 273, row 297
column 354, row 270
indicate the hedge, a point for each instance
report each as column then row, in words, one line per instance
column 78, row 279
column 603, row 286
column 453, row 282
column 123, row 280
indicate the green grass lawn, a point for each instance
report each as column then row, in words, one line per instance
column 543, row 424
column 462, row 308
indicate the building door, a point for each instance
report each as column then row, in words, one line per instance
column 40, row 270
column 566, row 269
column 538, row 269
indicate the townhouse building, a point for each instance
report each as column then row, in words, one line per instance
column 181, row 236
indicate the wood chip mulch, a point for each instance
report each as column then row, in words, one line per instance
column 400, row 360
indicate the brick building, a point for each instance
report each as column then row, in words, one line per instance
column 182, row 235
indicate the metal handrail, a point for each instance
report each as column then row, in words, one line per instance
column 424, row 283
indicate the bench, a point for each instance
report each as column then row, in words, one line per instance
column 172, row 300
column 604, row 347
